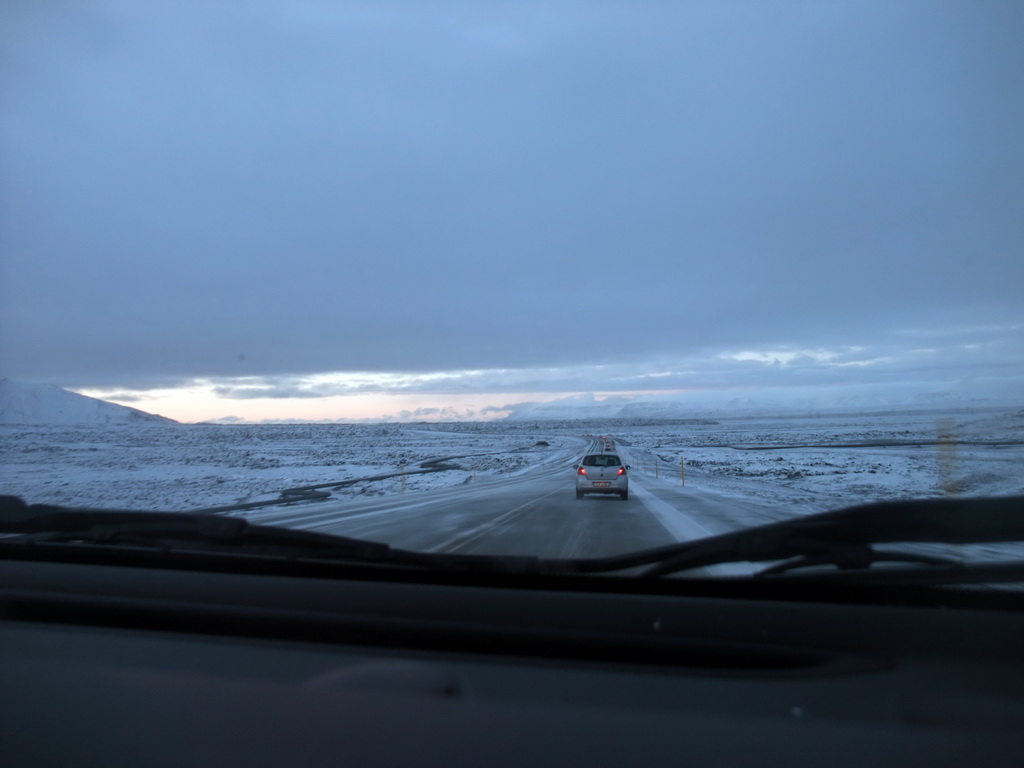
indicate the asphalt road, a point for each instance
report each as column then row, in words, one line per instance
column 535, row 513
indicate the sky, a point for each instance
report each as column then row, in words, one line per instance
column 460, row 210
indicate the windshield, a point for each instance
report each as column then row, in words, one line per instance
column 556, row 279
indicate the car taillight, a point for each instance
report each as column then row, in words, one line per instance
column 622, row 470
column 581, row 471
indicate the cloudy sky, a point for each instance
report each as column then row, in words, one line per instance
column 362, row 210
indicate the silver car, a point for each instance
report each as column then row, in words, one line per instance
column 602, row 473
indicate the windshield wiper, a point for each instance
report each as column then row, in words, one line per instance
column 846, row 539
column 843, row 538
column 43, row 524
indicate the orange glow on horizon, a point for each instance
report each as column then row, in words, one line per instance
column 192, row 406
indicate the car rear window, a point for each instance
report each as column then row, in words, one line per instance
column 601, row 460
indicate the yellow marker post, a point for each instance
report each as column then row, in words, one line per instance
column 682, row 469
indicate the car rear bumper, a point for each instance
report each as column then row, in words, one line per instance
column 615, row 487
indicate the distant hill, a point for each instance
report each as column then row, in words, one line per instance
column 46, row 404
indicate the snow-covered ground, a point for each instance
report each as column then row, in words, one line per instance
column 192, row 466
column 799, row 464
column 821, row 462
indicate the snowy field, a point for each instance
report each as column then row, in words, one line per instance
column 193, row 466
column 815, row 463
column 800, row 464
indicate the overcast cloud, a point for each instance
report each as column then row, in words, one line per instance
column 312, row 199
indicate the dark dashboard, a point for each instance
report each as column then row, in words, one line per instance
column 130, row 664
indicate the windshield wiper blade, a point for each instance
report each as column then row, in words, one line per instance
column 43, row 523
column 846, row 537
column 205, row 532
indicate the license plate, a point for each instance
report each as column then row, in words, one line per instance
column 601, row 485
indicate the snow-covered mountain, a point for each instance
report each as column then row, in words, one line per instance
column 26, row 403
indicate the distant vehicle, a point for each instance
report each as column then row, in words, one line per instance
column 602, row 473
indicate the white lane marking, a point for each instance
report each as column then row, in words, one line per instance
column 325, row 518
column 463, row 538
column 389, row 506
column 683, row 528
column 343, row 511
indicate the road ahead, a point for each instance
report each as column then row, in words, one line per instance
column 535, row 513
